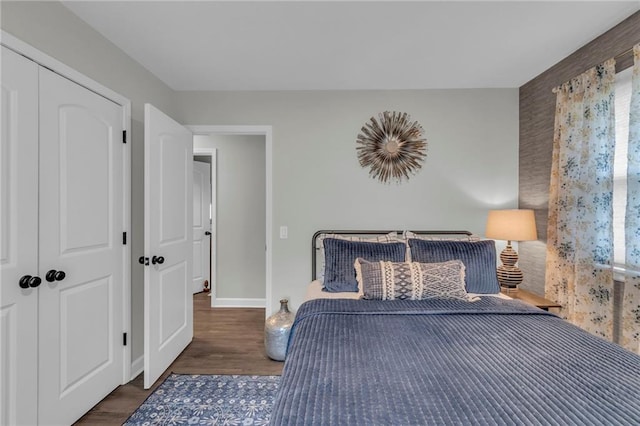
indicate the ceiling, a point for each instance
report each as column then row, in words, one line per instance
column 337, row 45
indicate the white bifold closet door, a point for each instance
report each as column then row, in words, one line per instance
column 18, row 240
column 81, row 225
column 168, row 244
column 62, row 224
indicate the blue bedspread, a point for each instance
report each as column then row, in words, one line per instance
column 440, row 362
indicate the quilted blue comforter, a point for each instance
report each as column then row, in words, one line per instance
column 446, row 362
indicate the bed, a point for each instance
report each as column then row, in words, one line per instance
column 477, row 359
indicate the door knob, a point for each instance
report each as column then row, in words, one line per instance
column 34, row 281
column 143, row 260
column 54, row 275
column 157, row 259
column 24, row 281
column 207, row 233
column 27, row 281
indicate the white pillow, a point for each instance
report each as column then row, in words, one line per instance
column 444, row 237
column 435, row 237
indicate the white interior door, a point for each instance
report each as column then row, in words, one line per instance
column 201, row 225
column 168, row 297
column 81, row 249
column 18, row 240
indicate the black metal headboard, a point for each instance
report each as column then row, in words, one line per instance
column 315, row 247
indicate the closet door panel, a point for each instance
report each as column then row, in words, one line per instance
column 18, row 240
column 85, row 193
column 81, row 226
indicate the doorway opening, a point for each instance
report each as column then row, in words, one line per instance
column 204, row 173
column 205, row 138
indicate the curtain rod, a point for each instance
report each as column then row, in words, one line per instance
column 618, row 56
column 626, row 52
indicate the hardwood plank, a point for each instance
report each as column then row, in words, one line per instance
column 226, row 341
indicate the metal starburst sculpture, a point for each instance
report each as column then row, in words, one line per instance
column 391, row 146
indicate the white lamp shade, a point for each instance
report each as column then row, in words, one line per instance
column 511, row 225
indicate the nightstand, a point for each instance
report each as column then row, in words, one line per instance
column 532, row 299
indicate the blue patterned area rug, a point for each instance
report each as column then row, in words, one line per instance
column 184, row 399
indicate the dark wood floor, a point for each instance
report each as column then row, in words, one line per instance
column 225, row 341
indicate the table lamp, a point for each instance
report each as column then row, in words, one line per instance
column 510, row 225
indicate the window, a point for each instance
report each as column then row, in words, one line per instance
column 622, row 105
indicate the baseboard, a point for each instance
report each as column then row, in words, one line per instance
column 137, row 367
column 221, row 302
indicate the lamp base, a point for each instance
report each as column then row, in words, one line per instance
column 509, row 275
column 509, row 290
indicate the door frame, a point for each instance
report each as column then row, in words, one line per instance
column 212, row 153
column 267, row 132
column 11, row 42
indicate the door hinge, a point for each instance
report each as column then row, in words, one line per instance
column 124, row 136
column 124, row 339
column 124, row 238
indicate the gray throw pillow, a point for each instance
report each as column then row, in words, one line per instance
column 339, row 257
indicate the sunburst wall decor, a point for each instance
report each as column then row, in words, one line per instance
column 392, row 146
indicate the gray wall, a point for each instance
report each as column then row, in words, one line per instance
column 537, row 111
column 471, row 165
column 317, row 182
column 54, row 30
column 241, row 216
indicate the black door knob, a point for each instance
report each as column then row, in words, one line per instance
column 207, row 233
column 143, row 260
column 54, row 275
column 24, row 281
column 34, row 282
column 157, row 259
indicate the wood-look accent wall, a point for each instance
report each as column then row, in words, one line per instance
column 537, row 110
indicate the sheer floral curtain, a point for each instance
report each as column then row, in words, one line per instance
column 631, row 302
column 580, row 230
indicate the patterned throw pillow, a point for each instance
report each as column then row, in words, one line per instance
column 384, row 280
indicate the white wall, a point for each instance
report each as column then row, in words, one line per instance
column 54, row 30
column 471, row 167
column 240, row 190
